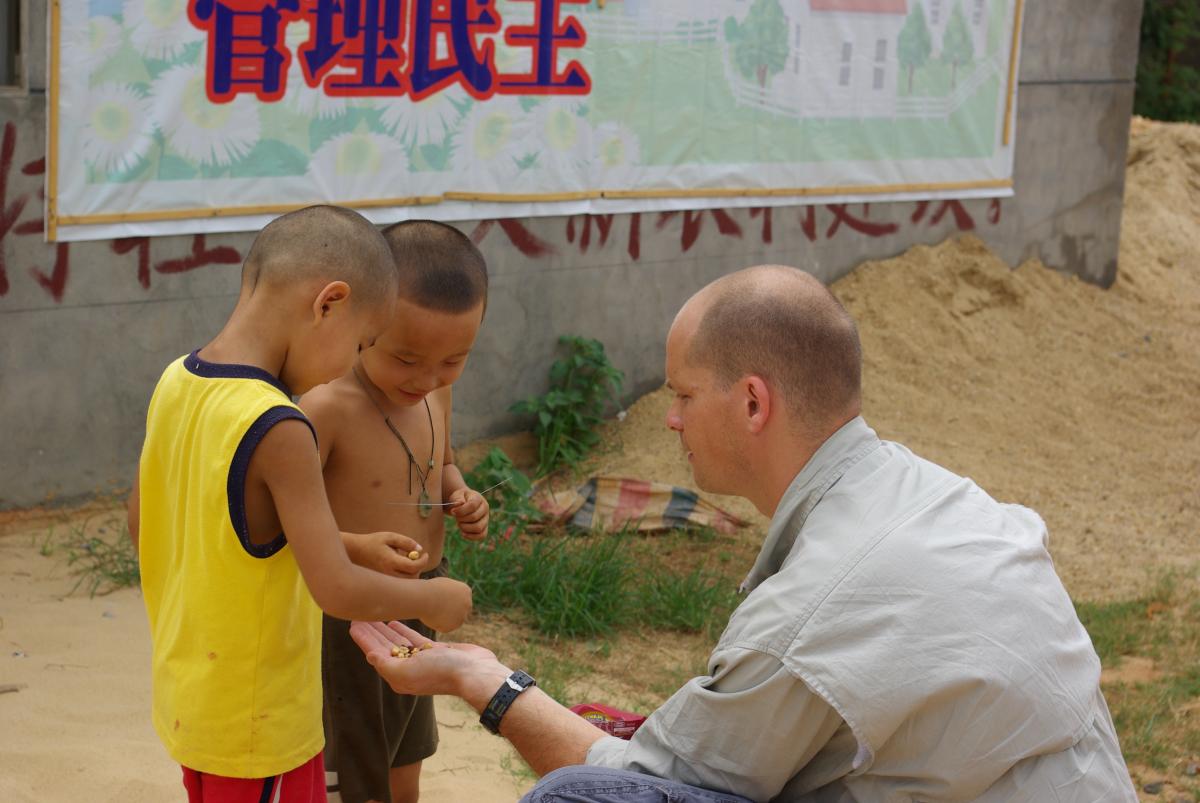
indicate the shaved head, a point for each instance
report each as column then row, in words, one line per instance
column 783, row 325
column 439, row 267
column 325, row 243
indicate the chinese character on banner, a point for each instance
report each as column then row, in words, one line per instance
column 244, row 51
column 454, row 23
column 545, row 36
column 362, row 39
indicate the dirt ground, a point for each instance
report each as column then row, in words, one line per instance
column 1077, row 401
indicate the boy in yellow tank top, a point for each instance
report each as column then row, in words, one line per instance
column 384, row 430
column 238, row 548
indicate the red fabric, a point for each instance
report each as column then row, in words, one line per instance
column 866, row 6
column 305, row 784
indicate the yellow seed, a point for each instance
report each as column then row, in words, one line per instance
column 427, row 645
column 414, row 555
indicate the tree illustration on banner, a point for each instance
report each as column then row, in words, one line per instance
column 760, row 42
column 915, row 44
column 957, row 49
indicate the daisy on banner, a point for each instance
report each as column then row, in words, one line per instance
column 495, row 144
column 159, row 29
column 427, row 121
column 348, row 166
column 117, row 128
column 203, row 132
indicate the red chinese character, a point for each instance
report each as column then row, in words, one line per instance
column 842, row 215
column 693, row 222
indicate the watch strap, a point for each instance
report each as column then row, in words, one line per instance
column 512, row 686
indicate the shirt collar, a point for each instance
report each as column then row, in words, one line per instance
column 840, row 451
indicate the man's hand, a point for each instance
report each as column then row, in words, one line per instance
column 453, row 604
column 389, row 553
column 470, row 510
column 436, row 668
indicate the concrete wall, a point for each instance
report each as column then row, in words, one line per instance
column 86, row 328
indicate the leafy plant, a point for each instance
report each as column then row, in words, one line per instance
column 510, row 492
column 566, row 418
column 1168, row 70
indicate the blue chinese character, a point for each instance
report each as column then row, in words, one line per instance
column 459, row 22
column 544, row 37
column 244, row 51
column 365, row 36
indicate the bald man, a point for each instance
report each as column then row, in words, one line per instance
column 903, row 637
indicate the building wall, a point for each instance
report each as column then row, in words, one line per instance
column 85, row 328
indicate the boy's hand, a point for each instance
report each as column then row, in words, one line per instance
column 452, row 606
column 388, row 553
column 470, row 510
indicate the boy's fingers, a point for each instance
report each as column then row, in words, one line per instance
column 373, row 643
column 406, row 634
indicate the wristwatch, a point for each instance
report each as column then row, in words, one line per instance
column 513, row 685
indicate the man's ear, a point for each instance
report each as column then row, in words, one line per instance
column 757, row 398
column 332, row 296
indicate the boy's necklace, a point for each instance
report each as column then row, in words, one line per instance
column 424, row 506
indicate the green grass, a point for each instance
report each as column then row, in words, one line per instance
column 584, row 586
column 1157, row 718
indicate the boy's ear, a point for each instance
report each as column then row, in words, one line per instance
column 332, row 296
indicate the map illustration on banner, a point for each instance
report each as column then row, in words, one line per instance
column 173, row 116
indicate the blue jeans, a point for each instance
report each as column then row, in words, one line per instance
column 584, row 784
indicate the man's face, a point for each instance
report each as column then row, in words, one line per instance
column 703, row 414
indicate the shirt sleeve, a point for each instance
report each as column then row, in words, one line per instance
column 747, row 728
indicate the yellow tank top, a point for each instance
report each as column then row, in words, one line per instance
column 236, row 634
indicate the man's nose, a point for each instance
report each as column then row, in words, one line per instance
column 674, row 421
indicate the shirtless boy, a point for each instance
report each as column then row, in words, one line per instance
column 384, row 430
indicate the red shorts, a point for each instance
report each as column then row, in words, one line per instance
column 305, row 784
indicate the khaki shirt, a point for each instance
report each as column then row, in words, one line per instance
column 905, row 638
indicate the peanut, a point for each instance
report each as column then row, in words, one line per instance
column 414, row 555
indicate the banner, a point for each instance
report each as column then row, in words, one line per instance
column 184, row 116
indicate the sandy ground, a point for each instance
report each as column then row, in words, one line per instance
column 1076, row 401
column 77, row 727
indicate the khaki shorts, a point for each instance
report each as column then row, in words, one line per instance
column 368, row 727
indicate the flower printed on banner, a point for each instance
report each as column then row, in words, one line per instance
column 427, row 121
column 566, row 140
column 350, row 162
column 214, row 134
column 160, row 29
column 498, row 133
column 616, row 145
column 117, row 131
column 89, row 45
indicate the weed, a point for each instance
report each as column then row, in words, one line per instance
column 100, row 553
column 566, row 418
column 576, row 586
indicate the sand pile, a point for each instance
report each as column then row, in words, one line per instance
column 1079, row 402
